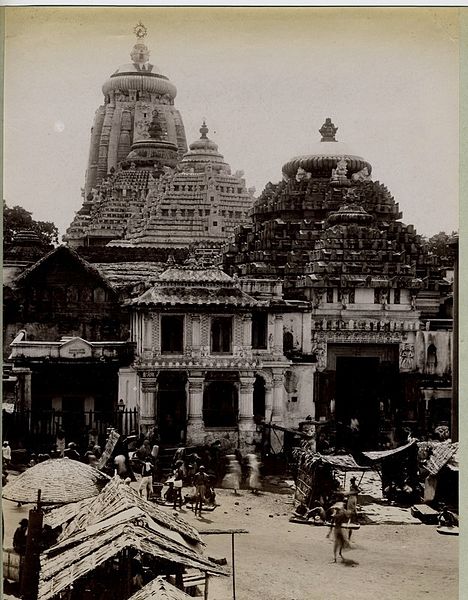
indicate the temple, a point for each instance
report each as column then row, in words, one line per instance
column 141, row 182
column 214, row 315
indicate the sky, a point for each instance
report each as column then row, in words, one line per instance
column 264, row 79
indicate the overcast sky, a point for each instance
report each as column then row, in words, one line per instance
column 264, row 79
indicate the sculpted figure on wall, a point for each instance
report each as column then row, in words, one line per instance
column 406, row 357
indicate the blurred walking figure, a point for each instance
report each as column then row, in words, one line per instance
column 232, row 478
column 338, row 517
column 254, row 473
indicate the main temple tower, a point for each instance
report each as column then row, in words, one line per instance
column 138, row 114
column 137, row 131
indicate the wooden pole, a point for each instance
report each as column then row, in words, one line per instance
column 233, row 568
column 207, row 580
column 29, row 583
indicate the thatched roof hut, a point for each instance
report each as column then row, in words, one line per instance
column 117, row 520
column 159, row 589
column 61, row 481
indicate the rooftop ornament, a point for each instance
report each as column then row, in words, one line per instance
column 328, row 131
column 204, row 130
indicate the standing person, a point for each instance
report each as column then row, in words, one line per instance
column 146, row 483
column 60, row 443
column 6, row 454
column 201, row 483
column 178, row 483
column 71, row 452
column 351, row 505
column 339, row 516
column 233, row 476
column 20, row 537
column 254, row 473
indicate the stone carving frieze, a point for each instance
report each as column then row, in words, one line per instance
column 358, row 337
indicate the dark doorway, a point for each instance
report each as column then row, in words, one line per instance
column 357, row 397
column 259, row 399
column 220, row 404
column 172, row 407
column 73, row 418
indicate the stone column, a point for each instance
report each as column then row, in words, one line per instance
column 268, row 402
column 246, row 420
column 278, row 397
column 307, row 332
column 247, row 333
column 195, row 425
column 148, row 400
column 278, row 335
column 196, row 333
column 277, row 437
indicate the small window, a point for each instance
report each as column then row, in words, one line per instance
column 221, row 334
column 259, row 331
column 215, row 223
column 172, row 333
column 330, row 295
column 396, row 296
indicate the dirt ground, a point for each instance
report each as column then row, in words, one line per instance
column 279, row 560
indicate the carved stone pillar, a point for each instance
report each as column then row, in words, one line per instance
column 247, row 337
column 278, row 335
column 278, row 397
column 196, row 333
column 246, row 420
column 307, row 332
column 195, row 425
column 268, row 402
column 277, row 437
column 148, row 399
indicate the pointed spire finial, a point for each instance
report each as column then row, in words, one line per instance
column 328, row 131
column 203, row 130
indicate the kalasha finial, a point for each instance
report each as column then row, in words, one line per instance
column 140, row 30
column 328, row 131
column 203, row 130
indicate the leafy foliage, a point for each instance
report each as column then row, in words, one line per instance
column 18, row 218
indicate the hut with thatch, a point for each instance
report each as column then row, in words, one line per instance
column 61, row 481
column 117, row 542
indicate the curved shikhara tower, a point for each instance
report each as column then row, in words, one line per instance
column 138, row 121
column 143, row 188
column 136, row 132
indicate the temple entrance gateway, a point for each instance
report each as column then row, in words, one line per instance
column 357, row 397
column 171, row 407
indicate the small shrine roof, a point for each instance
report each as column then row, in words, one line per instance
column 194, row 296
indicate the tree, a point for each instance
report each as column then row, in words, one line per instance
column 439, row 244
column 18, row 218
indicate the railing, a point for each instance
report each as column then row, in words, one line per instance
column 37, row 429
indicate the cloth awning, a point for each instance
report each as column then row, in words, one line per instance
column 342, row 462
column 442, row 455
column 378, row 455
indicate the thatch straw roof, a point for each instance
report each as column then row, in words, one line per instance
column 117, row 497
column 112, row 522
column 61, row 480
column 159, row 589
